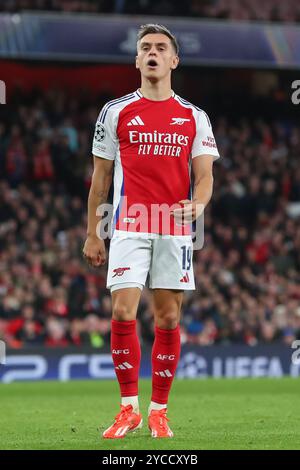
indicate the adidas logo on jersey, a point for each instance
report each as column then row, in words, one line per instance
column 136, row 121
column 164, row 373
column 124, row 366
column 185, row 278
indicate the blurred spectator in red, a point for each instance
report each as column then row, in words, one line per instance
column 42, row 162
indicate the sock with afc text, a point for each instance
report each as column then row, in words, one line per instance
column 126, row 355
column 165, row 357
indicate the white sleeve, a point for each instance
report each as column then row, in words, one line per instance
column 105, row 141
column 204, row 141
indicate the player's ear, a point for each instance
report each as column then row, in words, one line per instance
column 175, row 62
column 136, row 62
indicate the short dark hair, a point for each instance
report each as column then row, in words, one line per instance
column 157, row 29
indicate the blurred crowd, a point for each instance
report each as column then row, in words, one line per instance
column 247, row 275
column 269, row 10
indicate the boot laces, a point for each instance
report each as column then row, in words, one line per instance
column 162, row 418
column 123, row 414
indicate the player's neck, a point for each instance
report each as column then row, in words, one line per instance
column 156, row 91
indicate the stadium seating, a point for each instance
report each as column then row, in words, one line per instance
column 247, row 275
column 269, row 10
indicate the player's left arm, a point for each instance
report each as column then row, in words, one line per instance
column 204, row 152
column 202, row 167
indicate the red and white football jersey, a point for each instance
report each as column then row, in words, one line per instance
column 151, row 143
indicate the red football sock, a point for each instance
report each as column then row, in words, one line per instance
column 126, row 354
column 165, row 357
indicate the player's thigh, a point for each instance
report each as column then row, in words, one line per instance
column 129, row 261
column 172, row 264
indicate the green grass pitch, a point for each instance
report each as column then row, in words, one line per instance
column 204, row 414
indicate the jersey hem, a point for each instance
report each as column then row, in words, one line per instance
column 126, row 234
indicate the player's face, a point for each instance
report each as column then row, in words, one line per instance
column 156, row 56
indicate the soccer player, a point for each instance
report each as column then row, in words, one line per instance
column 151, row 139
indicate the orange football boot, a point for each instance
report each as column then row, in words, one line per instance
column 125, row 421
column 158, row 423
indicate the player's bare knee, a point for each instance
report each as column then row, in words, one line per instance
column 167, row 320
column 122, row 313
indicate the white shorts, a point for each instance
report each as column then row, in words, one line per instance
column 168, row 261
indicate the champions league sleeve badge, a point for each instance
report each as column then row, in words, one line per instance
column 99, row 132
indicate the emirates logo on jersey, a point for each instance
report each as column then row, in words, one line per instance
column 156, row 137
column 156, row 143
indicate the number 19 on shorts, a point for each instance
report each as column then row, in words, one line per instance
column 186, row 257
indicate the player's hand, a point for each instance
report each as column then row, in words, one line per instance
column 94, row 251
column 188, row 213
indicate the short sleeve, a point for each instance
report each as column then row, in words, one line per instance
column 204, row 141
column 105, row 140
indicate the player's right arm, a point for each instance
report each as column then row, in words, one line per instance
column 94, row 247
column 104, row 151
